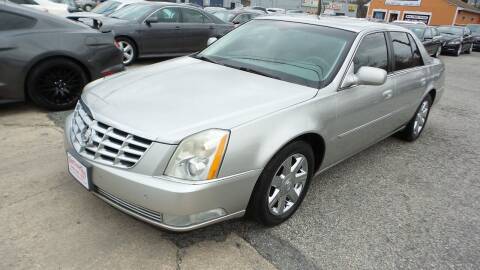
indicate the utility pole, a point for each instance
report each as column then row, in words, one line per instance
column 319, row 10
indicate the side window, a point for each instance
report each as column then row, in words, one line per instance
column 167, row 15
column 402, row 51
column 24, row 2
column 12, row 21
column 417, row 56
column 242, row 18
column 372, row 52
column 192, row 16
column 428, row 34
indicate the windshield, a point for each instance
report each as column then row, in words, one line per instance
column 132, row 12
column 299, row 53
column 106, row 7
column 224, row 15
column 418, row 31
column 451, row 30
column 474, row 28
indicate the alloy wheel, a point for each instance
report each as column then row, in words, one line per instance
column 439, row 51
column 287, row 184
column 128, row 51
column 421, row 117
column 59, row 85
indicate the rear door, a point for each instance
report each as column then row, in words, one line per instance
column 195, row 30
column 364, row 111
column 428, row 41
column 163, row 36
column 410, row 76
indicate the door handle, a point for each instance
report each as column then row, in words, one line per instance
column 177, row 27
column 388, row 94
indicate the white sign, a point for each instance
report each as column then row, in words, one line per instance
column 412, row 3
column 77, row 170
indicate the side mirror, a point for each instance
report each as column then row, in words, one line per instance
column 211, row 40
column 365, row 76
column 151, row 20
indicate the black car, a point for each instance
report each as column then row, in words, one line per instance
column 430, row 37
column 475, row 29
column 456, row 39
column 49, row 59
column 237, row 16
column 155, row 29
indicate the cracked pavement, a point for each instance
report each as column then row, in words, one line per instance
column 396, row 205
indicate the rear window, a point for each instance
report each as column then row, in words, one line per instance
column 12, row 21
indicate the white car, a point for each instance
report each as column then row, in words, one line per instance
column 44, row 5
column 276, row 11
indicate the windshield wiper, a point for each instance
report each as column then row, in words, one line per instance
column 207, row 59
column 254, row 71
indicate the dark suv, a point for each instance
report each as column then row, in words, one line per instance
column 49, row 59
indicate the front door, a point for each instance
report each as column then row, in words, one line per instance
column 163, row 34
column 196, row 29
column 364, row 112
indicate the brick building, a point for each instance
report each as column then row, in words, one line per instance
column 433, row 12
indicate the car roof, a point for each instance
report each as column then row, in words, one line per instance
column 350, row 24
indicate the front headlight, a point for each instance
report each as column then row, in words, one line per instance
column 199, row 156
column 454, row 42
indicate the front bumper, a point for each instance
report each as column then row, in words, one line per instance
column 164, row 201
column 476, row 45
column 450, row 47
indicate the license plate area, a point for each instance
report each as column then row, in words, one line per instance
column 80, row 171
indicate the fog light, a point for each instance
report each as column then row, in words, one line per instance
column 184, row 221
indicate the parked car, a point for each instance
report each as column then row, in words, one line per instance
column 44, row 5
column 155, row 29
column 86, row 5
column 213, row 9
column 103, row 9
column 37, row 61
column 475, row 29
column 295, row 11
column 245, row 124
column 260, row 8
column 237, row 16
column 276, row 11
column 456, row 39
column 430, row 37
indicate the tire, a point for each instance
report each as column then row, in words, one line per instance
column 438, row 52
column 56, row 84
column 87, row 7
column 459, row 51
column 127, row 46
column 276, row 182
column 469, row 51
column 417, row 124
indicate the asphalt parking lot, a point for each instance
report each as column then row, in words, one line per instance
column 396, row 205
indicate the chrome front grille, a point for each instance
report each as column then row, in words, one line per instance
column 105, row 144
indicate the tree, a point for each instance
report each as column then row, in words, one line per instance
column 361, row 8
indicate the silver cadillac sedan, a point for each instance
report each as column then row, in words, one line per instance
column 243, row 126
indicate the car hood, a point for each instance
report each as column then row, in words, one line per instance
column 448, row 37
column 168, row 101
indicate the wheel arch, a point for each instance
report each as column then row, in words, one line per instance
column 135, row 43
column 44, row 59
